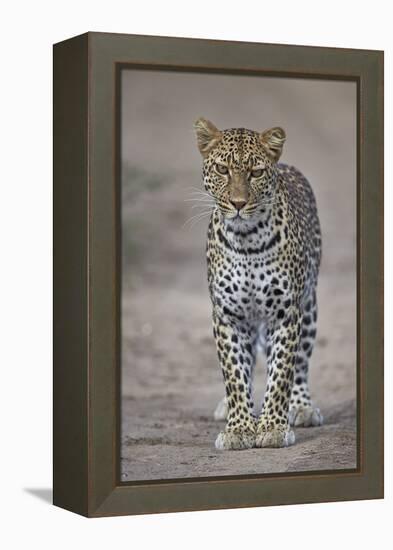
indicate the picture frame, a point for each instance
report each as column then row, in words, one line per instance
column 86, row 386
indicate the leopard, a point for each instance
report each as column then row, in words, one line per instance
column 264, row 249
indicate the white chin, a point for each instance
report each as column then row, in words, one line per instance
column 233, row 217
column 237, row 218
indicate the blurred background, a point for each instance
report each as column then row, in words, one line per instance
column 171, row 381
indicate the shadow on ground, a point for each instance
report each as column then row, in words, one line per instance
column 43, row 494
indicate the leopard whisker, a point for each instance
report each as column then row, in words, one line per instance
column 197, row 220
column 197, row 217
column 202, row 201
column 267, row 201
column 197, row 190
column 200, row 192
column 199, row 196
column 201, row 205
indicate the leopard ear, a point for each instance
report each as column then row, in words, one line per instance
column 273, row 141
column 207, row 135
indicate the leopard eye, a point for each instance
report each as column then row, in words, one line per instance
column 222, row 169
column 257, row 173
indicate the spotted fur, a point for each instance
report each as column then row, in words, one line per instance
column 263, row 257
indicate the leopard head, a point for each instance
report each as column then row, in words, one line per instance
column 239, row 167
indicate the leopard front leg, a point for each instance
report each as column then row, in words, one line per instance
column 236, row 356
column 282, row 344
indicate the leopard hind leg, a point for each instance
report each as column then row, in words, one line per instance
column 302, row 411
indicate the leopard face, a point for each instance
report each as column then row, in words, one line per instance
column 239, row 167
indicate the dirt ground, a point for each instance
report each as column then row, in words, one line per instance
column 171, row 381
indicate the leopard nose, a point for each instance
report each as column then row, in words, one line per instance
column 238, row 204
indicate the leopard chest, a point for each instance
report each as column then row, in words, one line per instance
column 249, row 286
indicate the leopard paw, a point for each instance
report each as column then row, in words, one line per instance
column 235, row 439
column 276, row 437
column 306, row 416
column 221, row 411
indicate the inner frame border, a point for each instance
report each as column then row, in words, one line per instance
column 119, row 67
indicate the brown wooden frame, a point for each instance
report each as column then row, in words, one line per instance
column 86, row 273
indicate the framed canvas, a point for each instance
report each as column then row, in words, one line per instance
column 168, row 148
